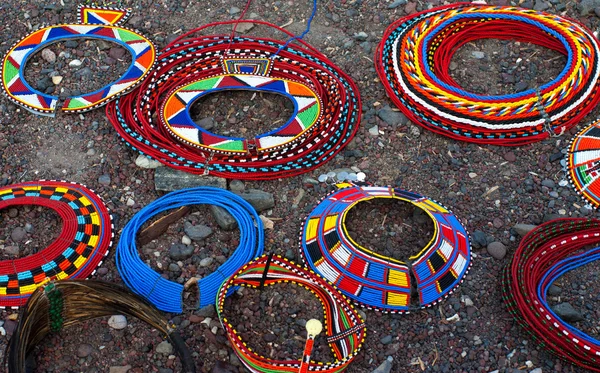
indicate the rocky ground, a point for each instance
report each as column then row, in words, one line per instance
column 494, row 191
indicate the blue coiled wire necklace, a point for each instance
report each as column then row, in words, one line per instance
column 167, row 295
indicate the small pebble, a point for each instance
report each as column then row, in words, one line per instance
column 117, row 322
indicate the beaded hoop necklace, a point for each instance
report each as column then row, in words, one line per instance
column 376, row 281
column 66, row 303
column 413, row 61
column 543, row 255
column 583, row 163
column 167, row 295
column 95, row 23
column 344, row 328
column 84, row 240
column 155, row 119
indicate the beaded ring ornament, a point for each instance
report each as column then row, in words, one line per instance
column 583, row 163
column 545, row 254
column 344, row 328
column 376, row 281
column 95, row 23
column 62, row 304
column 84, row 240
column 413, row 62
column 155, row 118
column 167, row 295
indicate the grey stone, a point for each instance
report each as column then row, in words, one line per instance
column 554, row 290
column 548, row 183
column 117, row 53
column 386, row 340
column 478, row 55
column 206, row 123
column 541, row 5
column 237, row 186
column 18, row 234
column 479, row 239
column 84, row 350
column 145, row 162
column 269, row 337
column 164, row 347
column 523, row 229
column 48, row 55
column 117, row 322
column 385, row 367
column 497, row 250
column 223, row 218
column 374, row 131
column 361, row 36
column 206, row 262
column 168, row 179
column 104, row 179
column 180, row 251
column 396, row 4
column 260, row 200
column 207, row 311
column 588, row 6
column 71, row 44
column 234, row 10
column 173, row 267
column 12, row 250
column 391, row 117
column 196, row 232
column 28, row 227
column 566, row 312
column 521, row 86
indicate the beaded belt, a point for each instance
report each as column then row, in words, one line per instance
column 545, row 254
column 167, row 295
column 344, row 327
column 67, row 303
column 84, row 240
column 376, row 281
column 154, row 119
column 413, row 62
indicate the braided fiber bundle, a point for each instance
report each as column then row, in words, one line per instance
column 413, row 61
column 154, row 119
column 344, row 328
column 167, row 295
column 67, row 303
column 545, row 254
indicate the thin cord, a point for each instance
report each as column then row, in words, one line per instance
column 299, row 37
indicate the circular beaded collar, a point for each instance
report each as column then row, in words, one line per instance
column 413, row 61
column 84, row 240
column 376, row 281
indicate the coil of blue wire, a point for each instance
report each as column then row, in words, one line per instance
column 167, row 295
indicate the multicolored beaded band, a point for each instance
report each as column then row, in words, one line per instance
column 84, row 240
column 545, row 254
column 376, row 281
column 100, row 23
column 413, row 62
column 583, row 163
column 344, row 328
column 155, row 119
column 167, row 295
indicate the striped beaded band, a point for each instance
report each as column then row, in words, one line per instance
column 167, row 295
column 84, row 240
column 413, row 62
column 344, row 328
column 155, row 119
column 98, row 26
column 376, row 281
column 583, row 163
column 543, row 255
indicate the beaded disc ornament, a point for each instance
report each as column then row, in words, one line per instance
column 376, row 281
column 583, row 163
column 545, row 254
column 155, row 119
column 413, row 62
column 344, row 328
column 95, row 23
column 84, row 240
column 167, row 295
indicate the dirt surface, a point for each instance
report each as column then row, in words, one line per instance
column 490, row 188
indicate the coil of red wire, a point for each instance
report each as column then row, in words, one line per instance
column 543, row 255
column 154, row 118
column 413, row 62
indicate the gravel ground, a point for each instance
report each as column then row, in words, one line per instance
column 490, row 188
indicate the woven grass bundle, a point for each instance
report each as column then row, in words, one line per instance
column 61, row 304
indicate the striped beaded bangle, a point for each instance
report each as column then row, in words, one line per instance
column 167, row 295
column 376, row 281
column 413, row 61
column 543, row 255
column 344, row 328
column 84, row 240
